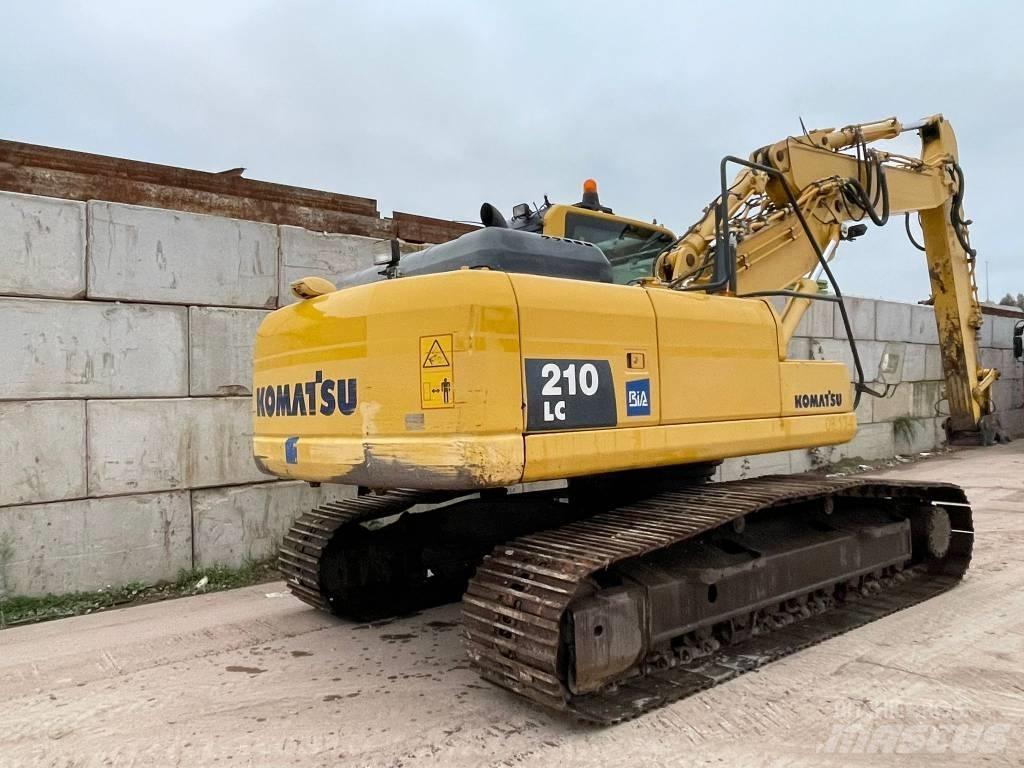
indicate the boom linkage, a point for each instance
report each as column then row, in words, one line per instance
column 834, row 190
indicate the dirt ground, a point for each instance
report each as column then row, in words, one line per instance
column 253, row 677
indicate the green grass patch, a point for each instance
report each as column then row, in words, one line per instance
column 906, row 428
column 26, row 610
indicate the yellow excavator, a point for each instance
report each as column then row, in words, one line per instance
column 532, row 413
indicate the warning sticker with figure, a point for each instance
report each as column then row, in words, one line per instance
column 437, row 375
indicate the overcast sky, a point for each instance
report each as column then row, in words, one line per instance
column 433, row 107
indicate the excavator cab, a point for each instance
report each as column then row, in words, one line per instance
column 585, row 241
column 630, row 245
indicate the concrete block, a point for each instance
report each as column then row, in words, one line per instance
column 916, row 436
column 53, row 348
column 1002, row 330
column 817, row 320
column 42, row 453
column 873, row 441
column 1006, row 364
column 896, row 406
column 924, row 396
column 232, row 526
column 1005, row 396
column 834, row 349
column 822, row 456
column 866, row 409
column 220, row 343
column 1008, row 394
column 305, row 253
column 990, row 357
column 839, row 349
column 42, row 246
column 914, row 362
column 1011, row 367
column 984, row 334
column 1013, row 421
column 90, row 544
column 922, row 325
column 800, row 460
column 933, row 363
column 892, row 321
column 1018, row 389
column 862, row 318
column 757, row 465
column 151, row 254
column 799, row 349
column 156, row 445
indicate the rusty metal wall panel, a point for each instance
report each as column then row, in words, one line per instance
column 61, row 173
column 423, row 229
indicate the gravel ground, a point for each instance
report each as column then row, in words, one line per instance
column 252, row 677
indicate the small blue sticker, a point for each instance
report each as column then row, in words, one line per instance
column 638, row 397
column 291, row 450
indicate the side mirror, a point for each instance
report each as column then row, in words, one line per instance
column 1018, row 342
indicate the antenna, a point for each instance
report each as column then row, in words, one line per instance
column 803, row 127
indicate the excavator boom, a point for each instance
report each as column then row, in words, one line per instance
column 779, row 244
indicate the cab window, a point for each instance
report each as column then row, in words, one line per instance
column 631, row 248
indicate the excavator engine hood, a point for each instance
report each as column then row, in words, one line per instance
column 472, row 379
column 507, row 250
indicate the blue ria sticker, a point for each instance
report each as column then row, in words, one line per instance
column 291, row 450
column 638, row 397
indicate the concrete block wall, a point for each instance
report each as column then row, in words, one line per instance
column 125, row 340
column 909, row 421
column 305, row 253
column 149, row 254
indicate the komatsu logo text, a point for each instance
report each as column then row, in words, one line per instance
column 307, row 398
column 827, row 399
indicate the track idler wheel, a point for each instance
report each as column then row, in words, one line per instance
column 931, row 531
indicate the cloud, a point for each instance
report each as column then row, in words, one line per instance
column 434, row 107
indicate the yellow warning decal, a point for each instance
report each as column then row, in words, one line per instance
column 435, row 357
column 437, row 375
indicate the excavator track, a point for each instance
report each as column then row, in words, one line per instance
column 375, row 556
column 518, row 611
column 302, row 552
